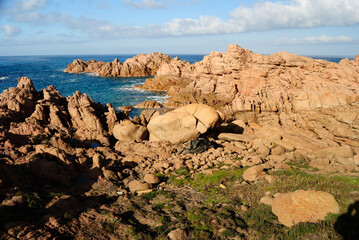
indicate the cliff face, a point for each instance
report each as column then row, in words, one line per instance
column 240, row 80
column 138, row 66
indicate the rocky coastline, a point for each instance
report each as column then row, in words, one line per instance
column 258, row 146
column 138, row 66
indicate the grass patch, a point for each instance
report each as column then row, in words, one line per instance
column 182, row 171
column 339, row 186
column 158, row 206
column 209, row 183
column 151, row 195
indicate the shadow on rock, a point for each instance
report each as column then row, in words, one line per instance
column 35, row 193
column 199, row 145
column 347, row 224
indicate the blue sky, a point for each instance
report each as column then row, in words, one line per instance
column 51, row 27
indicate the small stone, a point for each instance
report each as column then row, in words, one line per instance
column 283, row 166
column 267, row 200
column 207, row 172
column 97, row 161
column 278, row 151
column 177, row 164
column 144, row 191
column 244, row 208
column 254, row 173
column 151, row 178
column 222, row 186
column 110, row 175
column 270, row 179
column 225, row 167
column 356, row 160
column 263, row 151
column 178, row 234
column 256, row 160
column 136, row 185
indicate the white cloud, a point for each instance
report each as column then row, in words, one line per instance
column 296, row 14
column 151, row 4
column 316, row 40
column 11, row 31
column 262, row 16
column 30, row 5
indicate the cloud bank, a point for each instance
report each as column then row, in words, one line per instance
column 262, row 16
column 316, row 40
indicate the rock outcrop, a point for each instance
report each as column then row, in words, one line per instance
column 184, row 123
column 149, row 104
column 18, row 103
column 138, row 66
column 91, row 120
column 240, row 80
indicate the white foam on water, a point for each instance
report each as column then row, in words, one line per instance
column 91, row 74
column 72, row 80
column 160, row 99
column 3, row 78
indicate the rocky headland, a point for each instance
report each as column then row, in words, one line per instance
column 257, row 147
column 138, row 66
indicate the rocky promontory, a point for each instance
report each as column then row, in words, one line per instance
column 138, row 66
column 240, row 80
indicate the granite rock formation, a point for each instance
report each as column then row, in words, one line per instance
column 138, row 66
column 184, row 124
column 240, row 80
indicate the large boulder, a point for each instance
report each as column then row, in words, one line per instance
column 303, row 206
column 184, row 124
column 128, row 131
column 254, row 173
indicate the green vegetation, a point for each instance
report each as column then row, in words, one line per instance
column 259, row 220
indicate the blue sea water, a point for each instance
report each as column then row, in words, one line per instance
column 48, row 70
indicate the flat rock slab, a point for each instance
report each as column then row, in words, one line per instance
column 235, row 137
column 303, row 206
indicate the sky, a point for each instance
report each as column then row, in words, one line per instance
column 68, row 27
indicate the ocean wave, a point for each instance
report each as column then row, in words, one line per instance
column 92, row 74
column 72, row 80
column 160, row 99
column 3, row 78
column 129, row 89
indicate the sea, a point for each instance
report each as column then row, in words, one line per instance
column 49, row 70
